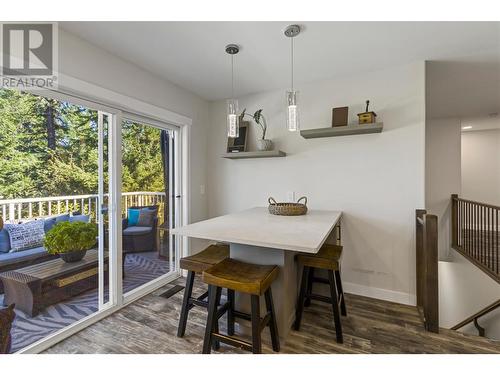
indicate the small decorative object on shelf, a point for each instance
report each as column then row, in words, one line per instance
column 287, row 209
column 263, row 144
column 340, row 116
column 367, row 117
column 239, row 144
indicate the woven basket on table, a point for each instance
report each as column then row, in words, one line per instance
column 288, row 209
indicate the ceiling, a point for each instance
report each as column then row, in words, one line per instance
column 191, row 54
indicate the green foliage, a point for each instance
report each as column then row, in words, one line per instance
column 66, row 237
column 49, row 148
column 259, row 119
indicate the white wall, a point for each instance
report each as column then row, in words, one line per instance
column 481, row 166
column 442, row 173
column 377, row 180
column 82, row 60
column 464, row 290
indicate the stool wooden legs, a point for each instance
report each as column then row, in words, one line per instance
column 335, row 307
column 340, row 291
column 211, row 318
column 310, row 281
column 230, row 312
column 188, row 303
column 302, row 295
column 188, row 291
column 255, row 317
column 336, row 297
column 272, row 322
column 213, row 336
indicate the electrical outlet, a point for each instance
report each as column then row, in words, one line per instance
column 202, row 189
column 290, row 196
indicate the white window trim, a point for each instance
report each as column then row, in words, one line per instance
column 118, row 104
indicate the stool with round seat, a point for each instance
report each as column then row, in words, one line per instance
column 245, row 278
column 327, row 258
column 198, row 263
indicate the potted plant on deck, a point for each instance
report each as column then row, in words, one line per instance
column 71, row 240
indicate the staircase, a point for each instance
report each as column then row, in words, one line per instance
column 475, row 234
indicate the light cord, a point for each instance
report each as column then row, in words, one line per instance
column 292, row 60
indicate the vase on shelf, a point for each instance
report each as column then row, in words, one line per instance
column 264, row 144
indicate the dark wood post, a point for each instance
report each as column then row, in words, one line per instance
column 431, row 295
column 454, row 220
column 419, row 256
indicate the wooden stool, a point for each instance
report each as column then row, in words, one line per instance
column 198, row 263
column 246, row 278
column 327, row 258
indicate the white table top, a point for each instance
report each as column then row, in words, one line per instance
column 258, row 227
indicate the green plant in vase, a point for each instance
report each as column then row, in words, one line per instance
column 263, row 144
column 71, row 240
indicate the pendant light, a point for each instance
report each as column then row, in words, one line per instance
column 233, row 128
column 292, row 111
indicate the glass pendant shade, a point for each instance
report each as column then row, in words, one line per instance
column 292, row 112
column 233, row 128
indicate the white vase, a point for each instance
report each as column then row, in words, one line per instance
column 264, row 144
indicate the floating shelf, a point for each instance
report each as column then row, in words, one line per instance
column 254, row 154
column 343, row 130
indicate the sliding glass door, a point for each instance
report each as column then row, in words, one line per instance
column 149, row 204
column 54, row 201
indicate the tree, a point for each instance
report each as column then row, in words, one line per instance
column 49, row 148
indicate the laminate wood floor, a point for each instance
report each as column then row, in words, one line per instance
column 149, row 325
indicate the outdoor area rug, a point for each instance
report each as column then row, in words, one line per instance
column 139, row 269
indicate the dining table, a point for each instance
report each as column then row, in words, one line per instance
column 256, row 236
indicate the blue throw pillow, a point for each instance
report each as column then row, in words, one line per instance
column 133, row 216
column 4, row 241
column 83, row 218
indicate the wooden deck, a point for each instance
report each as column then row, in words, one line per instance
column 149, row 325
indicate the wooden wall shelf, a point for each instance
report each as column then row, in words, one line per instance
column 254, row 154
column 342, row 130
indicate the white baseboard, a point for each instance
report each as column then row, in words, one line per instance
column 383, row 294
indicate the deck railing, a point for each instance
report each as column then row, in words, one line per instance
column 475, row 233
column 427, row 269
column 14, row 210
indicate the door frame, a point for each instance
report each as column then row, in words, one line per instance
column 95, row 97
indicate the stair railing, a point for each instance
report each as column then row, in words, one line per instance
column 475, row 234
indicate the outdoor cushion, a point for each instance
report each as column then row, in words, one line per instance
column 83, row 218
column 63, row 217
column 133, row 216
column 131, row 231
column 25, row 236
column 4, row 241
column 48, row 223
column 11, row 258
column 146, row 217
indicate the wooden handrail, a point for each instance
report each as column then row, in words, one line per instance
column 473, row 318
column 427, row 269
column 475, row 234
column 456, row 197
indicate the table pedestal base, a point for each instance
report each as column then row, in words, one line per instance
column 284, row 288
